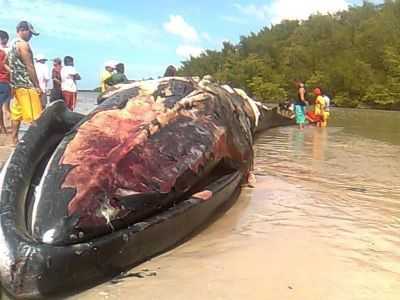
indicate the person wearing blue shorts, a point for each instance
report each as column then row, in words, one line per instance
column 300, row 105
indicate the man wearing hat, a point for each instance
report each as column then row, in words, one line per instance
column 42, row 71
column 26, row 106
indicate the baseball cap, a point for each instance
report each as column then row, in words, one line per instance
column 25, row 25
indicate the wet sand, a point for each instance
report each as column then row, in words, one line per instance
column 237, row 257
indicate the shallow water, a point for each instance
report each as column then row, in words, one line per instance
column 321, row 223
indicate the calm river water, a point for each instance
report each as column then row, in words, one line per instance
column 322, row 222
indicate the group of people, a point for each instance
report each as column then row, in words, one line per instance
column 318, row 115
column 24, row 79
column 114, row 73
column 63, row 78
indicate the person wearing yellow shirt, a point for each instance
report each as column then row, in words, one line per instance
column 106, row 74
column 319, row 107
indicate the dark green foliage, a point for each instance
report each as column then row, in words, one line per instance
column 353, row 55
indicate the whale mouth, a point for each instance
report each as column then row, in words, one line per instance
column 221, row 170
column 200, row 190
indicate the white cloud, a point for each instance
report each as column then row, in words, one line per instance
column 206, row 36
column 235, row 20
column 68, row 21
column 190, row 38
column 93, row 30
column 253, row 10
column 290, row 10
column 279, row 10
column 178, row 26
column 186, row 51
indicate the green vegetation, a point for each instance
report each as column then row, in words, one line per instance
column 353, row 55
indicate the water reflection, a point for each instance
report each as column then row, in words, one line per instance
column 319, row 139
column 354, row 199
column 297, row 139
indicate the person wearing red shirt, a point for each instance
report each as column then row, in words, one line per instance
column 5, row 88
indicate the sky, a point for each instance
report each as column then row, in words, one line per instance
column 147, row 36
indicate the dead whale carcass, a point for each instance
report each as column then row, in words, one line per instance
column 125, row 161
column 86, row 197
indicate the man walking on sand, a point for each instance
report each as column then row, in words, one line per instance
column 26, row 106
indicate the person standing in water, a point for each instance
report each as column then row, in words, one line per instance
column 300, row 105
column 319, row 107
column 326, row 110
column 26, row 105
column 5, row 87
column 69, row 76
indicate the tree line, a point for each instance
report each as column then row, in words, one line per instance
column 353, row 55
